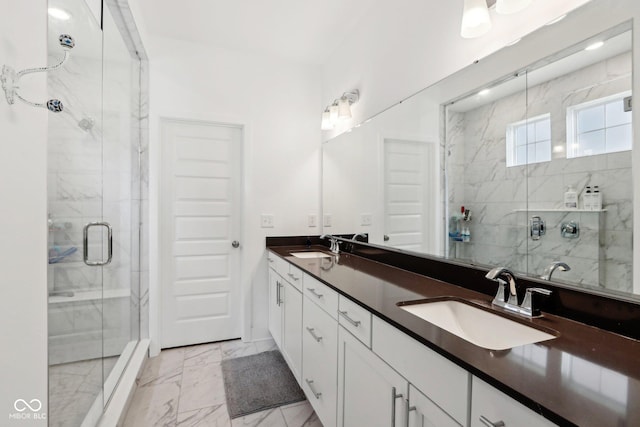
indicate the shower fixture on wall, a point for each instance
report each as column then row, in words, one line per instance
column 11, row 79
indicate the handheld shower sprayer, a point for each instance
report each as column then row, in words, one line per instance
column 11, row 79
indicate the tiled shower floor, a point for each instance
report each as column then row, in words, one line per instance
column 184, row 387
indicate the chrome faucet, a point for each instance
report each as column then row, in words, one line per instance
column 335, row 245
column 355, row 236
column 548, row 271
column 527, row 308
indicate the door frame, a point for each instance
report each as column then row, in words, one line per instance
column 157, row 218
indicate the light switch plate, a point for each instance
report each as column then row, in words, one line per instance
column 326, row 220
column 312, row 220
column 366, row 219
column 266, row 220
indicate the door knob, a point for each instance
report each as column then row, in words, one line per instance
column 235, row 244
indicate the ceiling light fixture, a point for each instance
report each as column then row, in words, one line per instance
column 594, row 46
column 339, row 110
column 507, row 7
column 60, row 14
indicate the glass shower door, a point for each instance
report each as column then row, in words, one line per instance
column 75, row 198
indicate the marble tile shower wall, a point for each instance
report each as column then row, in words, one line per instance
column 498, row 195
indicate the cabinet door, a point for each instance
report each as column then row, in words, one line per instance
column 370, row 393
column 275, row 307
column 292, row 328
column 422, row 412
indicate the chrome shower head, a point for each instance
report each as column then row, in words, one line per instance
column 66, row 41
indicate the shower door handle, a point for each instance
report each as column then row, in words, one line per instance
column 85, row 241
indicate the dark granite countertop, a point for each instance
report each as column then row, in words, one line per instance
column 586, row 376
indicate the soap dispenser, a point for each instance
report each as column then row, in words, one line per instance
column 571, row 198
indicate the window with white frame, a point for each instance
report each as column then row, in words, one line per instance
column 529, row 141
column 598, row 127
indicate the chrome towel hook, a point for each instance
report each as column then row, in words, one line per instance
column 11, row 79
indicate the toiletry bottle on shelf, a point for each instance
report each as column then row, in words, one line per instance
column 466, row 234
column 587, row 201
column 596, row 199
column 571, row 198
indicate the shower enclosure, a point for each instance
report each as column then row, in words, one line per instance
column 94, row 204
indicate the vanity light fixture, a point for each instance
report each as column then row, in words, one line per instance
column 595, row 45
column 475, row 19
column 340, row 109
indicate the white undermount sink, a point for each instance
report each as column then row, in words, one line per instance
column 475, row 325
column 310, row 254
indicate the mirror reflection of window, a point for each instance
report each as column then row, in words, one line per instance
column 529, row 141
column 600, row 126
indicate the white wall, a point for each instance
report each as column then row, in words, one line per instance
column 23, row 215
column 277, row 102
column 403, row 46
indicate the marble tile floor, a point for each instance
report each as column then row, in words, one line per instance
column 183, row 387
column 73, row 387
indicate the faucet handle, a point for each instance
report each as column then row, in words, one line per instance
column 499, row 299
column 527, row 304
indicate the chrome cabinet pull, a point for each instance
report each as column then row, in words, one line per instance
column 409, row 409
column 355, row 323
column 235, row 244
column 315, row 294
column 293, row 276
column 484, row 420
column 317, row 394
column 279, row 293
column 394, row 397
column 313, row 334
column 270, row 260
column 85, row 242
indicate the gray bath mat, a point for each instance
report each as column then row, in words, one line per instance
column 258, row 382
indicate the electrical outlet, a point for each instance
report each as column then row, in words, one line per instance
column 312, row 220
column 266, row 220
column 326, row 220
column 366, row 219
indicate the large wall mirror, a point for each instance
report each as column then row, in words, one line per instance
column 521, row 160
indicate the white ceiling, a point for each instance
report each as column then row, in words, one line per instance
column 301, row 30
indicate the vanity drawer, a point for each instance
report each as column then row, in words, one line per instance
column 496, row 406
column 294, row 276
column 424, row 368
column 355, row 319
column 279, row 265
column 321, row 294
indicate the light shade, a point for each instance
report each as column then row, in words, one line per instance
column 475, row 19
column 326, row 120
column 344, row 109
column 333, row 113
column 505, row 7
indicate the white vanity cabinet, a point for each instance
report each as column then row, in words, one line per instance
column 320, row 353
column 491, row 406
column 285, row 312
column 443, row 382
column 370, row 393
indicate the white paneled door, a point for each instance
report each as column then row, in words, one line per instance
column 409, row 189
column 200, row 196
